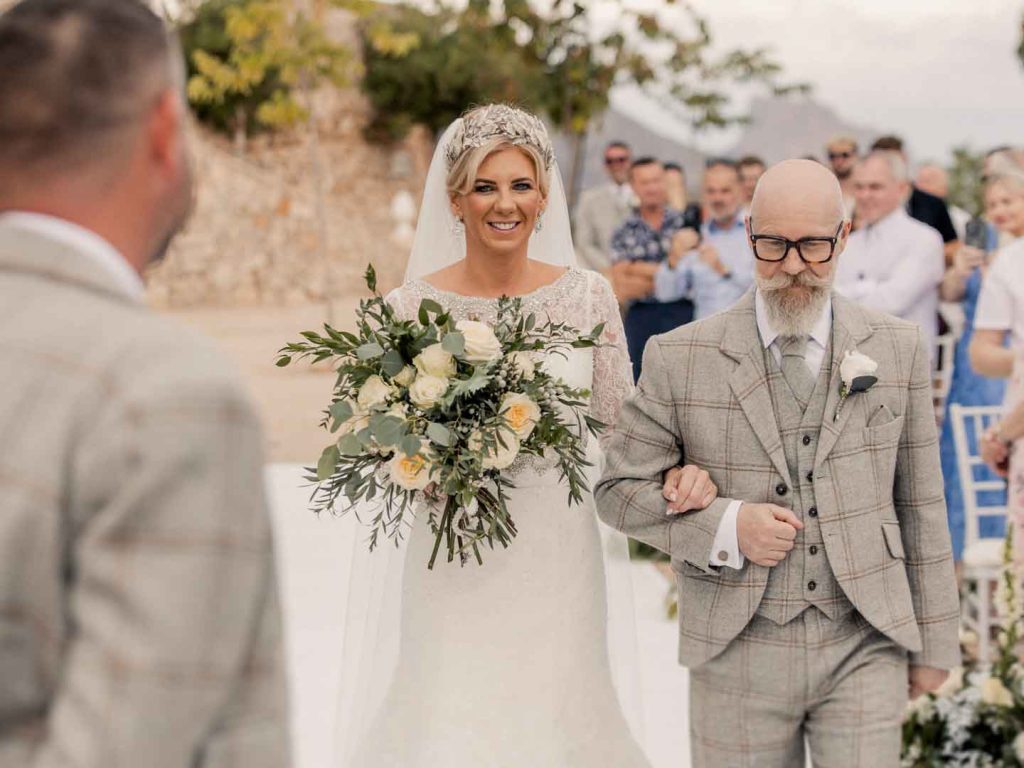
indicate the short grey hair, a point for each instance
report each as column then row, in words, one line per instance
column 75, row 75
column 894, row 160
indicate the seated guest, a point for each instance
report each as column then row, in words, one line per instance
column 719, row 271
column 641, row 244
column 893, row 262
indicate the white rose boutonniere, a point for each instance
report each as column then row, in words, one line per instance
column 482, row 345
column 857, row 372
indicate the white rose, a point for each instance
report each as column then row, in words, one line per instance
column 405, row 376
column 502, row 456
column 520, row 413
column 523, row 361
column 481, row 344
column 427, row 390
column 410, row 472
column 399, row 411
column 374, row 392
column 994, row 693
column 922, row 707
column 435, row 361
column 1018, row 747
column 855, row 364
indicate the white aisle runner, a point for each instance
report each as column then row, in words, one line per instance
column 311, row 553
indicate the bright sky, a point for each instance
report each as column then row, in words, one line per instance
column 937, row 72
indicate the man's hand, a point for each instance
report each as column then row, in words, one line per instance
column 688, row 488
column 967, row 259
column 682, row 241
column 766, row 532
column 924, row 680
column 632, row 280
column 710, row 256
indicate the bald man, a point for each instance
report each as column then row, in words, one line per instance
column 817, row 591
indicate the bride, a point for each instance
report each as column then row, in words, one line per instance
column 507, row 664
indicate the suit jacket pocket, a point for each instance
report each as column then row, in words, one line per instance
column 894, row 540
column 883, row 434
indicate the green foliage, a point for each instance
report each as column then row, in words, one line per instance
column 429, row 66
column 252, row 64
column 965, row 187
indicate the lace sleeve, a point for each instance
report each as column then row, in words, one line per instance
column 613, row 374
column 399, row 300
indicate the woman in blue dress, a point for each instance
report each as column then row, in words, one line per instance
column 963, row 283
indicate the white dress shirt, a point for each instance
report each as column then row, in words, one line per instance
column 895, row 265
column 725, row 549
column 83, row 241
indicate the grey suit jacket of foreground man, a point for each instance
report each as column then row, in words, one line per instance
column 139, row 624
column 704, row 399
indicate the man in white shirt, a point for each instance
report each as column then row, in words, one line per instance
column 893, row 262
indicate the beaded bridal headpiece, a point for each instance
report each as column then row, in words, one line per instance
column 513, row 125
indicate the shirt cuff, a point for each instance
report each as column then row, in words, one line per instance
column 725, row 550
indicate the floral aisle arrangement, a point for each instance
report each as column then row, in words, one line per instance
column 976, row 719
column 438, row 410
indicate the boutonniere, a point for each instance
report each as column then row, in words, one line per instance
column 858, row 374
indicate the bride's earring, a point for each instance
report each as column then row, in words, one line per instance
column 458, row 227
column 540, row 222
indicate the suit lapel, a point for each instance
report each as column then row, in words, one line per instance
column 749, row 380
column 849, row 328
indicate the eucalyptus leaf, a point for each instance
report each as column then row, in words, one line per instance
column 369, row 351
column 349, row 445
column 283, row 361
column 454, row 344
column 439, row 433
column 328, row 461
column 410, row 445
column 341, row 411
column 392, row 362
column 389, row 431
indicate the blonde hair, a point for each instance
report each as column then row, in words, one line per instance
column 463, row 172
column 1011, row 179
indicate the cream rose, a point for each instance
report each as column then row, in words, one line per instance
column 435, row 361
column 427, row 390
column 853, row 365
column 399, row 411
column 993, row 692
column 406, row 376
column 1018, row 747
column 501, row 456
column 375, row 391
column 410, row 472
column 520, row 413
column 482, row 345
column 523, row 362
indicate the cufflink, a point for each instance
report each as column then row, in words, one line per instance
column 723, row 555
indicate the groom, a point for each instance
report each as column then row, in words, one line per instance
column 821, row 582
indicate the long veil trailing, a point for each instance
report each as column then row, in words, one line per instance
column 370, row 640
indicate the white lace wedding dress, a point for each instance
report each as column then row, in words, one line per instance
column 506, row 665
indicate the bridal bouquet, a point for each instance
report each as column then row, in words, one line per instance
column 976, row 719
column 438, row 409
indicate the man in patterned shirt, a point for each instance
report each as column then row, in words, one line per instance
column 642, row 243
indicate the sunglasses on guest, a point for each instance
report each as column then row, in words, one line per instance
column 616, row 159
column 840, row 155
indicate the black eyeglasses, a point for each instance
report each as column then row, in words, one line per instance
column 811, row 250
column 613, row 160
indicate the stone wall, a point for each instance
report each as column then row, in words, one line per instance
column 262, row 235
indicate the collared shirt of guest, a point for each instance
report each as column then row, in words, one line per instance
column 725, row 549
column 83, row 241
column 636, row 240
column 895, row 265
column 693, row 279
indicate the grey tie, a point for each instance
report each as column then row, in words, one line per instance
column 794, row 367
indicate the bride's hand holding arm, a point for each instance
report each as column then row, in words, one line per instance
column 687, row 489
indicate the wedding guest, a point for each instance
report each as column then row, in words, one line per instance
column 922, row 206
column 675, row 182
column 719, row 271
column 892, row 263
column 602, row 209
column 934, row 179
column 750, row 168
column 642, row 243
column 139, row 623
column 842, row 157
column 1004, row 205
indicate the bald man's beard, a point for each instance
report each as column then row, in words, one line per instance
column 795, row 302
